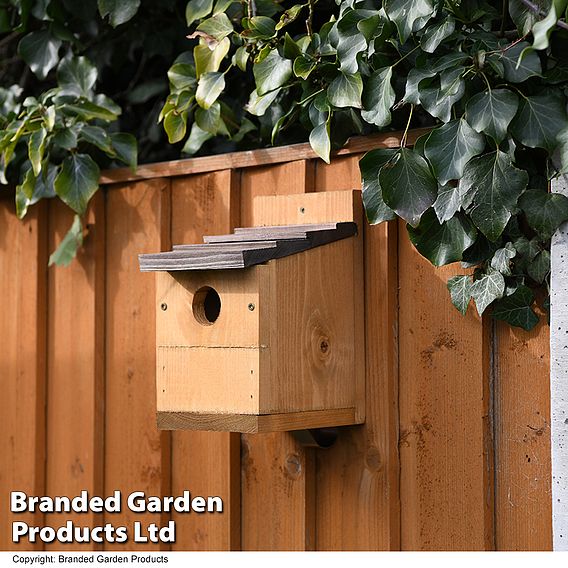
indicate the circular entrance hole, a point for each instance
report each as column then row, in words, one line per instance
column 206, row 305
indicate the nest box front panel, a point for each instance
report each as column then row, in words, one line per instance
column 208, row 341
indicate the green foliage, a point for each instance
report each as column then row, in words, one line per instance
column 489, row 79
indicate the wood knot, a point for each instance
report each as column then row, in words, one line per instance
column 293, row 466
column 373, row 459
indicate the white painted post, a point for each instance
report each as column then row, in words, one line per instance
column 559, row 377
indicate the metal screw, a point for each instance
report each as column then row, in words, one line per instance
column 251, row 307
column 302, row 210
column 164, row 306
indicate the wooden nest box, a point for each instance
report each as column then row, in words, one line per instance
column 261, row 330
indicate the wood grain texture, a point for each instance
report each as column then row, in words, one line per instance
column 251, row 423
column 358, row 502
column 342, row 173
column 278, row 475
column 207, row 463
column 254, row 158
column 523, row 501
column 23, row 260
column 445, row 481
column 136, row 453
column 291, row 177
column 75, row 380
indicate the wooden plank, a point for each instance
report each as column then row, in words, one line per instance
column 206, row 462
column 136, row 453
column 278, row 474
column 358, row 505
column 252, row 423
column 253, row 158
column 522, row 439
column 291, row 177
column 23, row 263
column 75, row 393
column 343, row 173
column 559, row 376
column 445, row 451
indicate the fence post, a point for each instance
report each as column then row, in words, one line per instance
column 559, row 377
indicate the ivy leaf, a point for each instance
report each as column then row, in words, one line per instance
column 378, row 98
column 197, row 9
column 210, row 86
column 408, row 15
column 526, row 250
column 370, row 164
column 496, row 186
column 460, row 292
column 24, row 192
column 519, row 71
column 182, row 76
column 272, row 72
column 542, row 29
column 67, row 249
column 442, row 243
column 540, row 120
column 219, row 26
column 196, row 139
column 118, row 11
column 289, row 16
column 303, row 67
column 516, row 309
column 439, row 100
column 76, row 76
column 89, row 111
column 209, row 120
column 98, row 137
column 487, row 289
column 36, row 149
column 450, row 147
column 409, row 188
column 523, row 17
column 258, row 105
column 126, row 148
column 345, row 91
column 449, row 202
column 501, row 260
column 209, row 59
column 320, row 141
column 77, row 181
column 492, row 111
column 437, row 33
column 260, row 27
column 545, row 212
column 539, row 268
column 351, row 41
column 40, row 51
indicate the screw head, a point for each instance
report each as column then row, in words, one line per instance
column 164, row 306
column 251, row 307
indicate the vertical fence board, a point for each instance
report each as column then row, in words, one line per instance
column 277, row 472
column 75, row 380
column 23, row 261
column 136, row 453
column 357, row 479
column 445, row 484
column 290, row 177
column 206, row 463
column 523, row 503
column 342, row 173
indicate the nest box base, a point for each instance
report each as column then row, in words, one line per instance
column 253, row 423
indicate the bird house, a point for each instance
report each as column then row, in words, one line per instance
column 261, row 330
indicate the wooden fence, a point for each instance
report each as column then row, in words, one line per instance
column 455, row 450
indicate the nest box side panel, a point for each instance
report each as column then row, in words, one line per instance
column 208, row 366
column 316, row 339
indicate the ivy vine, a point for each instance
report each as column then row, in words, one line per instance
column 489, row 79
